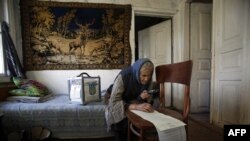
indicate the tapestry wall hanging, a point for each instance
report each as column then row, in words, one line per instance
column 67, row 36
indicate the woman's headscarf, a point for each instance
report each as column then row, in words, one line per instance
column 131, row 80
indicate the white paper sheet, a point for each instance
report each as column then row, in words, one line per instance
column 168, row 128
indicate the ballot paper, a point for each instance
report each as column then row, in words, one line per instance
column 168, row 128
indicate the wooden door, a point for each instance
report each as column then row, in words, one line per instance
column 230, row 103
column 200, row 53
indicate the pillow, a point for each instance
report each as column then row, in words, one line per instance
column 29, row 88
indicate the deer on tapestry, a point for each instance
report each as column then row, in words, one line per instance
column 81, row 40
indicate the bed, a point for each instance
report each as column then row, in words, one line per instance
column 64, row 119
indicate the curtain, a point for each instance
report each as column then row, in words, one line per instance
column 10, row 53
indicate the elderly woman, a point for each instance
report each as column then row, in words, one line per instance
column 129, row 92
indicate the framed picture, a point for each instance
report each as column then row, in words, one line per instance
column 84, row 89
column 91, row 89
column 74, row 35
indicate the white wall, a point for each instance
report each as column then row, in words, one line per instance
column 56, row 80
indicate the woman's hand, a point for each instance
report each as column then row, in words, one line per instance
column 145, row 107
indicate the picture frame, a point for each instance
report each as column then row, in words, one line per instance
column 75, row 35
column 91, row 89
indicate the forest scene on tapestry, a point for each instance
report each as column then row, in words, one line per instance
column 60, row 35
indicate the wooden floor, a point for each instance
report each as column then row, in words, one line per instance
column 199, row 129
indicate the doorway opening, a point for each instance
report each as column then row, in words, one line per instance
column 142, row 22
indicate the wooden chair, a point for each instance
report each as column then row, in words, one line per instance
column 174, row 73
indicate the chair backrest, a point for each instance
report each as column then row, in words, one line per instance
column 176, row 73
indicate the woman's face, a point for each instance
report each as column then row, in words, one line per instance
column 145, row 76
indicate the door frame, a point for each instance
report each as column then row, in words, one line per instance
column 146, row 12
column 180, row 29
column 180, row 33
